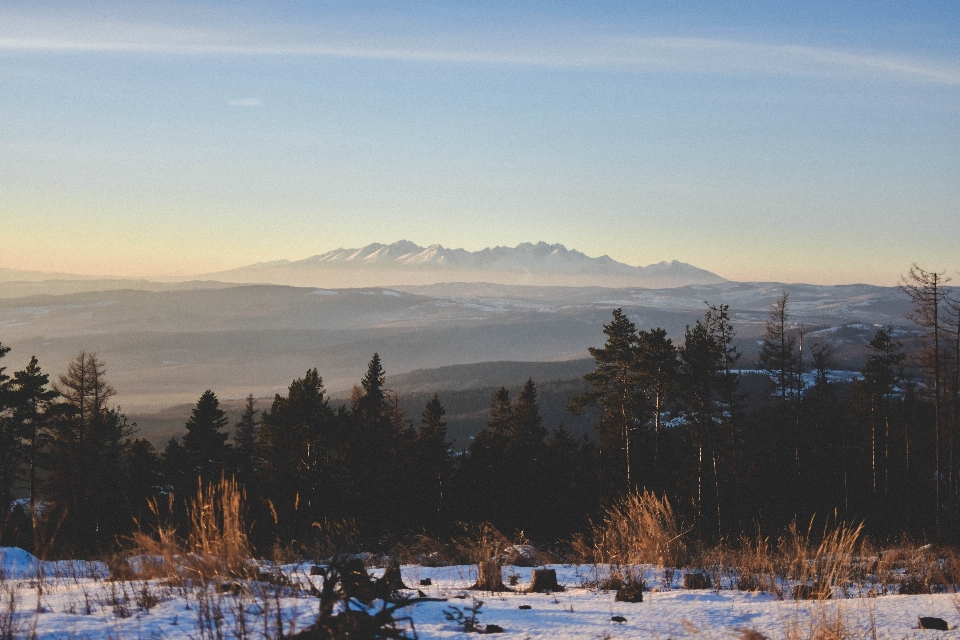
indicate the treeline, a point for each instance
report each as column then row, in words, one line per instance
column 672, row 419
column 308, row 467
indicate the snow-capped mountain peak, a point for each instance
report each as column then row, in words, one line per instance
column 527, row 263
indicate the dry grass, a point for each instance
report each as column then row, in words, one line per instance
column 336, row 537
column 824, row 625
column 818, row 562
column 754, row 565
column 424, row 551
column 640, row 529
column 216, row 546
column 909, row 568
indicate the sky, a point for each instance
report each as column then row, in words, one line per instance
column 797, row 142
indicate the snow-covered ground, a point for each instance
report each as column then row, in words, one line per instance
column 75, row 601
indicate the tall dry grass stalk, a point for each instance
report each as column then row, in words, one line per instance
column 640, row 529
column 218, row 533
column 217, row 544
column 820, row 561
column 754, row 565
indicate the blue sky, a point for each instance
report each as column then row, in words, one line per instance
column 818, row 142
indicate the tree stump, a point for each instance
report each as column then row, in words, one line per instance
column 937, row 624
column 490, row 577
column 392, row 575
column 631, row 592
column 545, row 580
column 697, row 581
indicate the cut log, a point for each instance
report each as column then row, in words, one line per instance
column 490, row 577
column 545, row 580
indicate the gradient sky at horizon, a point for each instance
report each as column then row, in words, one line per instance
column 817, row 142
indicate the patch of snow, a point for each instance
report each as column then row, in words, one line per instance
column 82, row 604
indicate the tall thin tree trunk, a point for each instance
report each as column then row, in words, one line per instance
column 626, row 435
column 716, row 487
column 700, row 492
column 873, row 444
column 656, row 434
column 886, row 449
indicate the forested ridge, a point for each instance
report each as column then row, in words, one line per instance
column 671, row 418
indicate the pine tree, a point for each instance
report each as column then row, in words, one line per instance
column 952, row 371
column 205, row 442
column 569, row 498
column 9, row 445
column 483, row 489
column 85, row 463
column 873, row 392
column 245, row 441
column 709, row 397
column 658, row 365
column 926, row 290
column 143, row 480
column 778, row 351
column 31, row 399
column 434, row 429
column 494, row 437
column 617, row 391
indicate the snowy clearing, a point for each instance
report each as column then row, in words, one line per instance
column 76, row 601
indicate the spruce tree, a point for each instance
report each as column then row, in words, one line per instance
column 527, row 473
column 300, row 450
column 205, row 442
column 371, row 408
column 526, row 426
column 434, row 462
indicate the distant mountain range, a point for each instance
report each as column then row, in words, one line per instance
column 406, row 263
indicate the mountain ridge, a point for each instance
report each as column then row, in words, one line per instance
column 407, row 263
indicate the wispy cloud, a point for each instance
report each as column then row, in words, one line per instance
column 694, row 55
column 245, row 102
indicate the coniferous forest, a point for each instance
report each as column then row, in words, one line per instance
column 674, row 417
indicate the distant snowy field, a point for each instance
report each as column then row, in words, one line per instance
column 77, row 602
